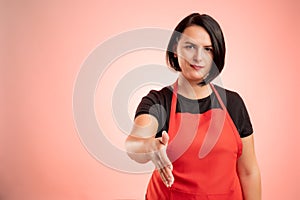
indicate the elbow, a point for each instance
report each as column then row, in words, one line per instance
column 250, row 173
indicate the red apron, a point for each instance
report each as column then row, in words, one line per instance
column 204, row 149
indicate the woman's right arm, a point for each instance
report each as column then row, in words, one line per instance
column 142, row 146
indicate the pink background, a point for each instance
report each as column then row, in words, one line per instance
column 43, row 44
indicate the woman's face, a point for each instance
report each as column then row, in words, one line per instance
column 195, row 53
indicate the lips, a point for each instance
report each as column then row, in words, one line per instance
column 197, row 67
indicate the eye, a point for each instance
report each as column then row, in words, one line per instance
column 208, row 49
column 189, row 47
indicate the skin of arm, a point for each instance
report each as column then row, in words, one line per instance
column 139, row 143
column 142, row 146
column 248, row 171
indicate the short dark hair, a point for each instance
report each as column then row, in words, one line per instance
column 216, row 35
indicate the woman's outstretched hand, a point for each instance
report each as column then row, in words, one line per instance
column 160, row 159
column 142, row 146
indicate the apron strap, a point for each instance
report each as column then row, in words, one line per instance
column 174, row 98
column 218, row 97
column 237, row 135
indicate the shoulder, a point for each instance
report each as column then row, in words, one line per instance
column 155, row 102
column 229, row 97
column 237, row 110
column 157, row 96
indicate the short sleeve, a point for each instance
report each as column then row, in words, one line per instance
column 154, row 103
column 239, row 114
column 147, row 105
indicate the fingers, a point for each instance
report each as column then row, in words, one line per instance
column 166, row 176
column 161, row 160
column 164, row 138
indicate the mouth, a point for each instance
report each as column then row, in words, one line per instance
column 197, row 67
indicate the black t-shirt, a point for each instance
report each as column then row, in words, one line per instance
column 158, row 104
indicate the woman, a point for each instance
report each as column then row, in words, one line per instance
column 199, row 136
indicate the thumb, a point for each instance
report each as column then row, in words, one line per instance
column 164, row 138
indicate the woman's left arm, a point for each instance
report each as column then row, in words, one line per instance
column 248, row 171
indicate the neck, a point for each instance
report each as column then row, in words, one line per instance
column 192, row 89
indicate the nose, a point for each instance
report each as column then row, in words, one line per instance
column 198, row 55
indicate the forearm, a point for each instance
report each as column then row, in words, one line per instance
column 251, row 185
column 141, row 142
column 138, row 149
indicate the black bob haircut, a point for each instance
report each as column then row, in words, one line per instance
column 216, row 35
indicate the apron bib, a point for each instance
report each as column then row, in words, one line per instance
column 204, row 149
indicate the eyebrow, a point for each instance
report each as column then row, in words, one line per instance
column 191, row 43
column 187, row 42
